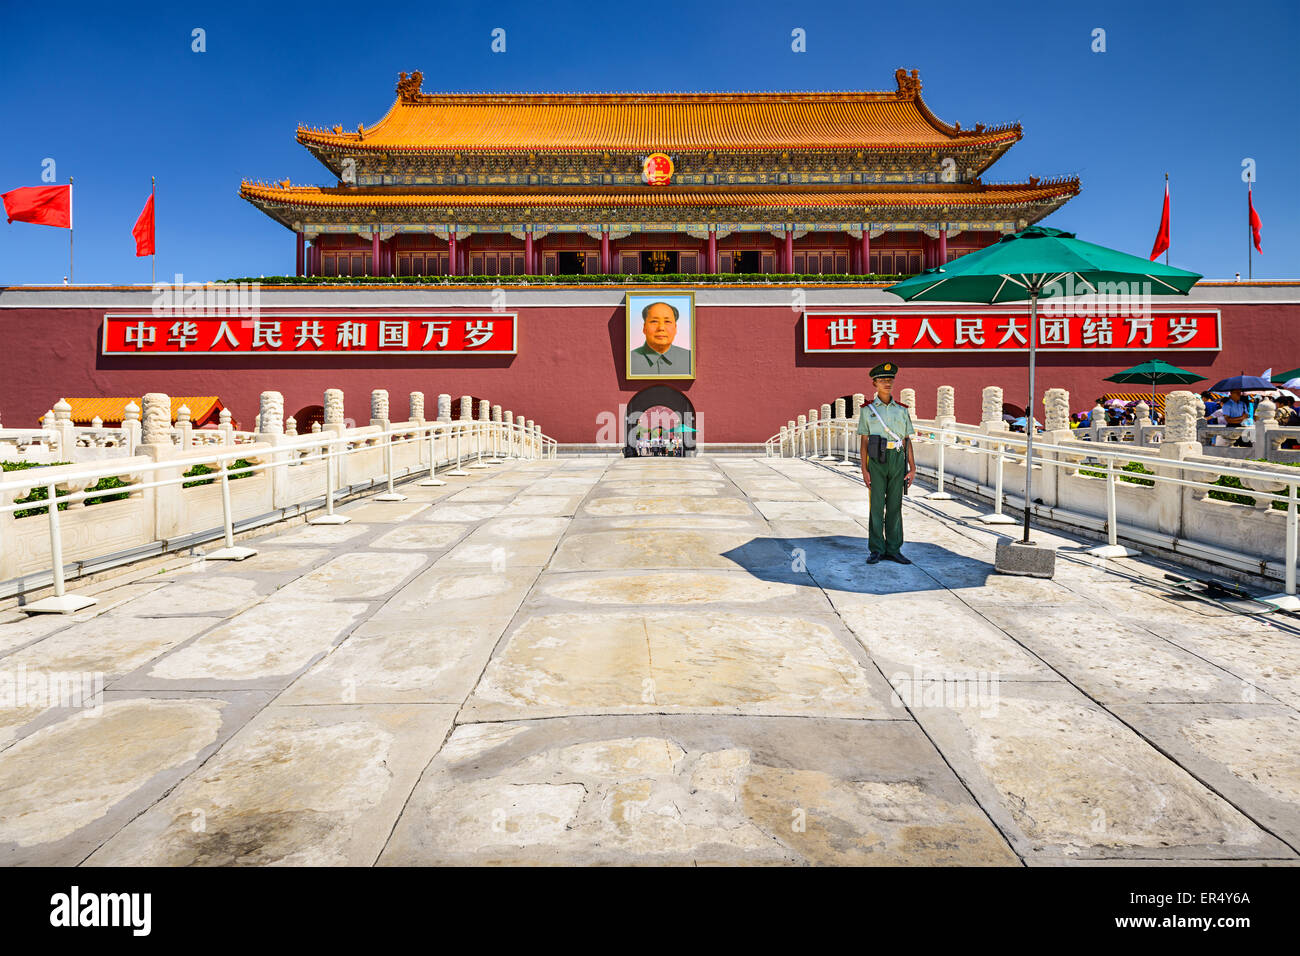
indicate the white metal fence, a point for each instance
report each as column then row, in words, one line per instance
column 170, row 504
column 1157, row 495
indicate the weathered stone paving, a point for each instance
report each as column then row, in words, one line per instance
column 597, row 660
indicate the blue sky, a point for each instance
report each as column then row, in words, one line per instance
column 113, row 94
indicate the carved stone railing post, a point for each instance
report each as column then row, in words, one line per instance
column 1097, row 419
column 226, row 427
column 945, row 408
column 131, row 425
column 466, row 408
column 991, row 423
column 334, row 420
column 859, row 399
column 270, row 418
column 379, row 408
column 184, row 428
column 444, row 407
column 157, row 423
column 1172, row 502
column 162, row 504
column 65, row 429
column 417, row 407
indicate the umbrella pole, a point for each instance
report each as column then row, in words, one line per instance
column 1029, row 414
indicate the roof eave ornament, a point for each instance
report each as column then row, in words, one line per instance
column 408, row 85
column 908, row 86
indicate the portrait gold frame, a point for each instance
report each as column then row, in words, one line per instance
column 631, row 315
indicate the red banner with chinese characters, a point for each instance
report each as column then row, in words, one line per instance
column 1006, row 331
column 311, row 333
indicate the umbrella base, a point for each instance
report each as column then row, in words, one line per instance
column 236, row 553
column 1112, row 551
column 1027, row 560
column 329, row 519
column 997, row 519
column 938, row 496
column 67, row 604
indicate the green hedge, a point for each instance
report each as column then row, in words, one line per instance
column 1224, row 481
column 1133, row 468
column 42, row 493
column 724, row 278
column 207, row 470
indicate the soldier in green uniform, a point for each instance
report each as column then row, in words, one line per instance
column 886, row 480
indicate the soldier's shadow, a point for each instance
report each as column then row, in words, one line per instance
column 838, row 563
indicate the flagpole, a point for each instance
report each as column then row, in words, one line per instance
column 1250, row 235
column 1166, row 202
column 153, row 256
column 72, row 273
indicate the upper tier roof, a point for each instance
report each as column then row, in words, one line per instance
column 658, row 121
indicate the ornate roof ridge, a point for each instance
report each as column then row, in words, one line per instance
column 410, row 95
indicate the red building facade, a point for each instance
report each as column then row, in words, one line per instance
column 754, row 370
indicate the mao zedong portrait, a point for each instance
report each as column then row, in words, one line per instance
column 659, row 356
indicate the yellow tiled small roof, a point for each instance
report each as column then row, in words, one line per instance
column 1157, row 406
column 111, row 410
column 664, row 197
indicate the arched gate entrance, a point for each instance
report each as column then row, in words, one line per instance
column 665, row 397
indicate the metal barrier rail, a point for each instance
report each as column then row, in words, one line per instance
column 1110, row 456
column 512, row 439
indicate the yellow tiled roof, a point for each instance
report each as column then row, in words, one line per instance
column 658, row 121
column 664, row 197
column 111, row 410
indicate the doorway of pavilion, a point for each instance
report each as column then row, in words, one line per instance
column 653, row 412
column 747, row 262
column 571, row 263
column 658, row 261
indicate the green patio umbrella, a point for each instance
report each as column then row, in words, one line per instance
column 682, row 428
column 1285, row 377
column 1020, row 267
column 1153, row 373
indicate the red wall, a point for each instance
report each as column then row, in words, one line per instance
column 752, row 374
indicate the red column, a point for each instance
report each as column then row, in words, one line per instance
column 451, row 252
column 537, row 260
column 301, row 250
column 789, row 251
column 943, row 245
column 713, row 251
column 374, row 253
column 864, row 251
column 316, row 257
column 528, row 253
column 604, row 251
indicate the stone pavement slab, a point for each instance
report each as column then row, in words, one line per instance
column 681, row 661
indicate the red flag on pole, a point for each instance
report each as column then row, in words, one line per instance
column 1162, row 237
column 42, row 205
column 1254, row 218
column 143, row 230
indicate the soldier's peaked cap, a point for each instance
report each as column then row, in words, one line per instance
column 884, row 370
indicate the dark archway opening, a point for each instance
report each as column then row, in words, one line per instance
column 669, row 408
column 307, row 416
